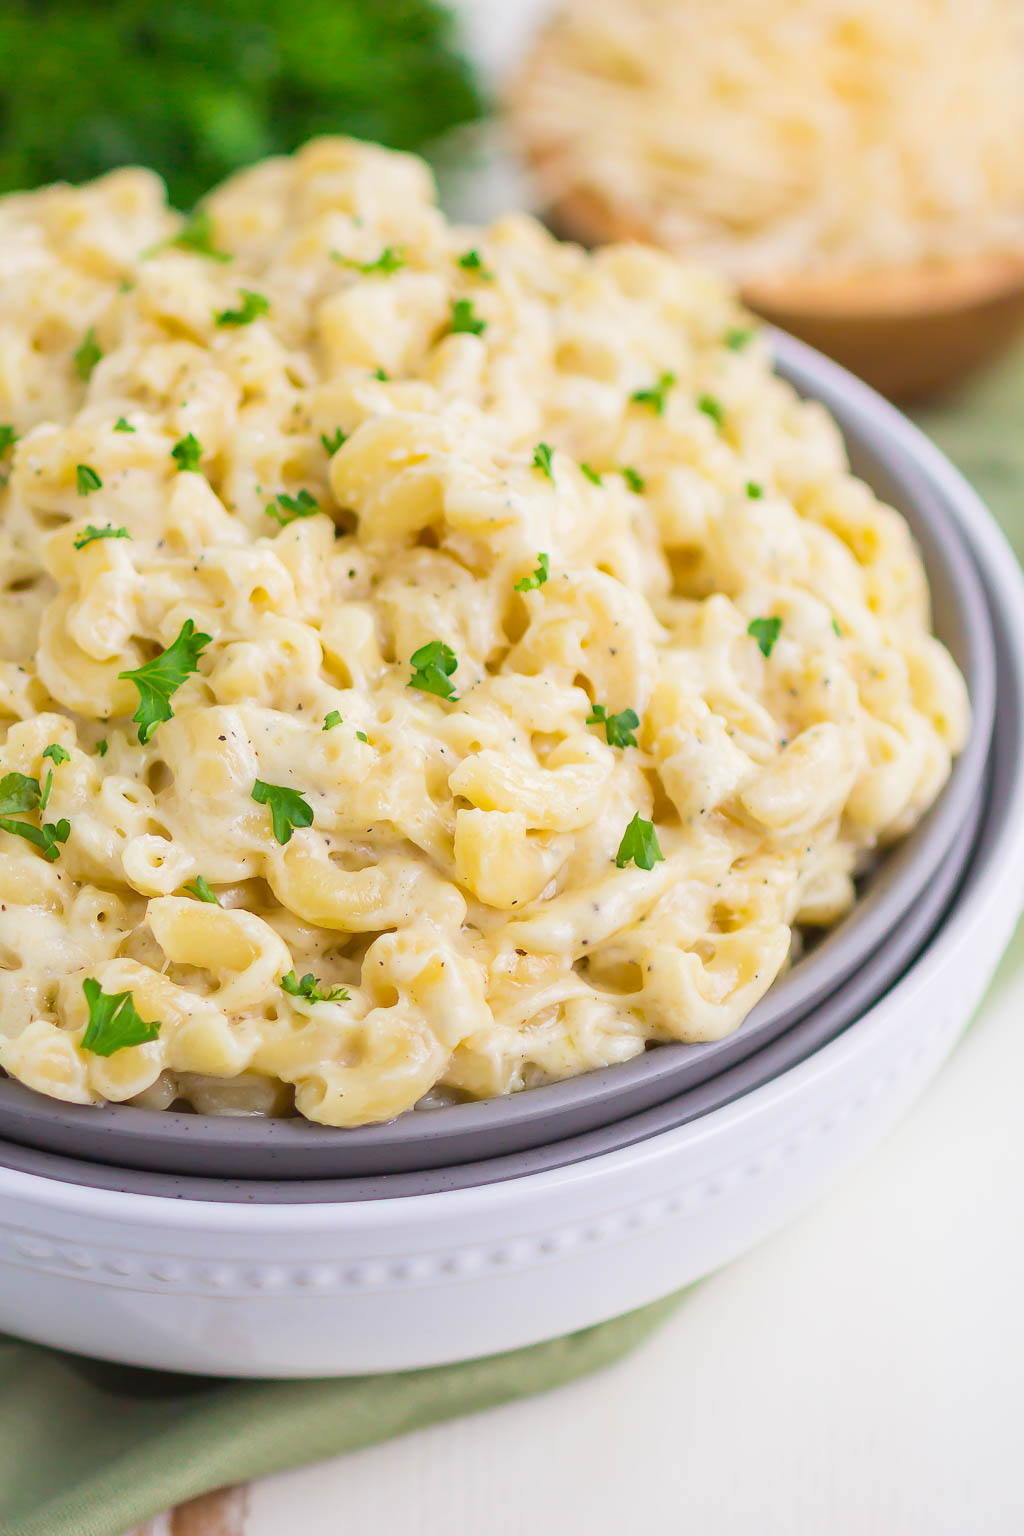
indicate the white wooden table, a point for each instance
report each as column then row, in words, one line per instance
column 862, row 1374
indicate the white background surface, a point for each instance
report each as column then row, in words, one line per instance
column 861, row 1374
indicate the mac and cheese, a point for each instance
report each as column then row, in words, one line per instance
column 434, row 661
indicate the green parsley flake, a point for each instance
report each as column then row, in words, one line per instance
column 107, row 532
column 158, row 680
column 87, row 355
column 739, row 337
column 542, row 460
column 290, row 507
column 390, row 260
column 472, row 261
column 633, row 478
column 312, row 990
column 362, row 736
column 331, row 720
column 288, row 808
column 196, row 234
column 765, row 632
column 754, row 491
column 539, row 577
column 186, row 453
column 334, row 442
column 57, row 755
column 711, row 407
column 200, row 889
column 87, row 478
column 101, row 748
column 618, row 729
column 657, row 395
column 639, row 844
column 8, row 438
column 433, row 665
column 836, row 630
column 252, row 306
column 382, row 375
column 463, row 319
column 113, row 1021
column 592, row 475
column 120, row 425
column 19, row 793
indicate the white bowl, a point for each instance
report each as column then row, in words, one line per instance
column 309, row 1289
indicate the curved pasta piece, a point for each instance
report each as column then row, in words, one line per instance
column 388, row 894
column 237, row 947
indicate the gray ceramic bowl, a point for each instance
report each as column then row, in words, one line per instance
column 205, row 1146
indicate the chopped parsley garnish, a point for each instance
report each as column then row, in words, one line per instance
column 87, row 355
column 389, row 260
column 186, row 453
column 252, row 306
column 542, row 460
column 288, row 808
column 158, row 680
column 765, row 632
column 19, row 793
column 113, row 1021
column 362, row 736
column 311, row 989
column 539, row 577
column 711, row 407
column 382, row 374
column 101, row 748
column 200, row 889
column 108, row 531
column 334, row 442
column 754, row 491
column 836, row 630
column 8, row 438
column 290, row 507
column 120, row 425
column 57, row 755
column 592, row 475
column 463, row 319
column 196, row 234
column 87, row 478
column 657, row 395
column 618, row 729
column 738, row 337
column 472, row 261
column 331, row 720
column 433, row 665
column 633, row 478
column 639, row 844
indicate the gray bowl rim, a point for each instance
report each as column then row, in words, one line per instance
column 206, row 1145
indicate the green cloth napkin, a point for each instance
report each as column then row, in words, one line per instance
column 89, row 1449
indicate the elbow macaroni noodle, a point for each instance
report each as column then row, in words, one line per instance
column 457, row 889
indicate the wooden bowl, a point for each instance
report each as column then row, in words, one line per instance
column 909, row 331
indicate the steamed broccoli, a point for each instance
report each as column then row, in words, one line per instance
column 196, row 88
